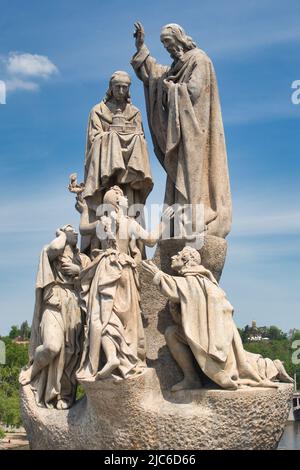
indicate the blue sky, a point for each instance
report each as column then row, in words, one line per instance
column 255, row 49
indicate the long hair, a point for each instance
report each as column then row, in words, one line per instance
column 178, row 32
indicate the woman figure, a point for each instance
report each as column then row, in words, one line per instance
column 110, row 290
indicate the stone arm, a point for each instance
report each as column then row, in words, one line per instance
column 94, row 132
column 139, row 124
column 151, row 238
column 163, row 281
column 85, row 227
column 198, row 81
column 148, row 238
column 146, row 66
column 56, row 247
column 95, row 128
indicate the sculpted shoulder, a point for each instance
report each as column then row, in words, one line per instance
column 200, row 56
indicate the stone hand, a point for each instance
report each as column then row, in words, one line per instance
column 70, row 269
column 139, row 35
column 80, row 205
column 167, row 84
column 150, row 267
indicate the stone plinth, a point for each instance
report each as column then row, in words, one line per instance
column 136, row 414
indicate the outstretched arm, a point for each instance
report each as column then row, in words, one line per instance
column 163, row 281
column 144, row 65
column 151, row 238
column 85, row 227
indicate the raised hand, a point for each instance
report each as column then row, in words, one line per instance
column 139, row 35
column 80, row 204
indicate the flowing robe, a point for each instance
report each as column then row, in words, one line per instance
column 188, row 136
column 115, row 157
column 205, row 323
column 110, row 293
column 58, row 304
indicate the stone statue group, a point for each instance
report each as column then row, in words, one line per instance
column 87, row 323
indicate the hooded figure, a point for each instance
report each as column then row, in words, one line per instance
column 185, row 121
column 116, row 151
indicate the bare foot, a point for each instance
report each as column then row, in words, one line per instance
column 62, row 405
column 283, row 376
column 187, row 384
column 226, row 382
column 108, row 368
column 25, row 376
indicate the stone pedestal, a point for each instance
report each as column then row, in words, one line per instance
column 136, row 414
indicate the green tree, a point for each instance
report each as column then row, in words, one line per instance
column 25, row 330
column 16, row 358
column 14, row 332
column 274, row 333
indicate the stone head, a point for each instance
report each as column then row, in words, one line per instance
column 175, row 40
column 71, row 234
column 115, row 198
column 119, row 87
column 186, row 258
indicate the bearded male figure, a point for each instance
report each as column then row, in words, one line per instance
column 186, row 125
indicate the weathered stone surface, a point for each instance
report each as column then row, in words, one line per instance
column 154, row 305
column 135, row 414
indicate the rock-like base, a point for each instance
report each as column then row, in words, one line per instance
column 136, row 414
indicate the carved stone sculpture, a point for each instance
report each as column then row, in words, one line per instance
column 204, row 329
column 186, row 125
column 56, row 335
column 110, row 289
column 130, row 397
column 116, row 150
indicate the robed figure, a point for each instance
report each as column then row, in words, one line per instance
column 116, row 152
column 57, row 325
column 204, row 329
column 186, row 125
column 115, row 339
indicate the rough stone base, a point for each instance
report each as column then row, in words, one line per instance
column 135, row 414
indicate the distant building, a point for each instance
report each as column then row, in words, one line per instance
column 255, row 333
column 20, row 340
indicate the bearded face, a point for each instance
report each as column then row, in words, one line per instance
column 172, row 45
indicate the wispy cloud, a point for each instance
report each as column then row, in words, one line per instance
column 18, row 84
column 33, row 65
column 24, row 71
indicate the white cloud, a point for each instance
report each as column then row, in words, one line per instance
column 33, row 65
column 18, row 84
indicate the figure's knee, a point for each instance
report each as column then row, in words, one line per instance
column 52, row 350
column 170, row 334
